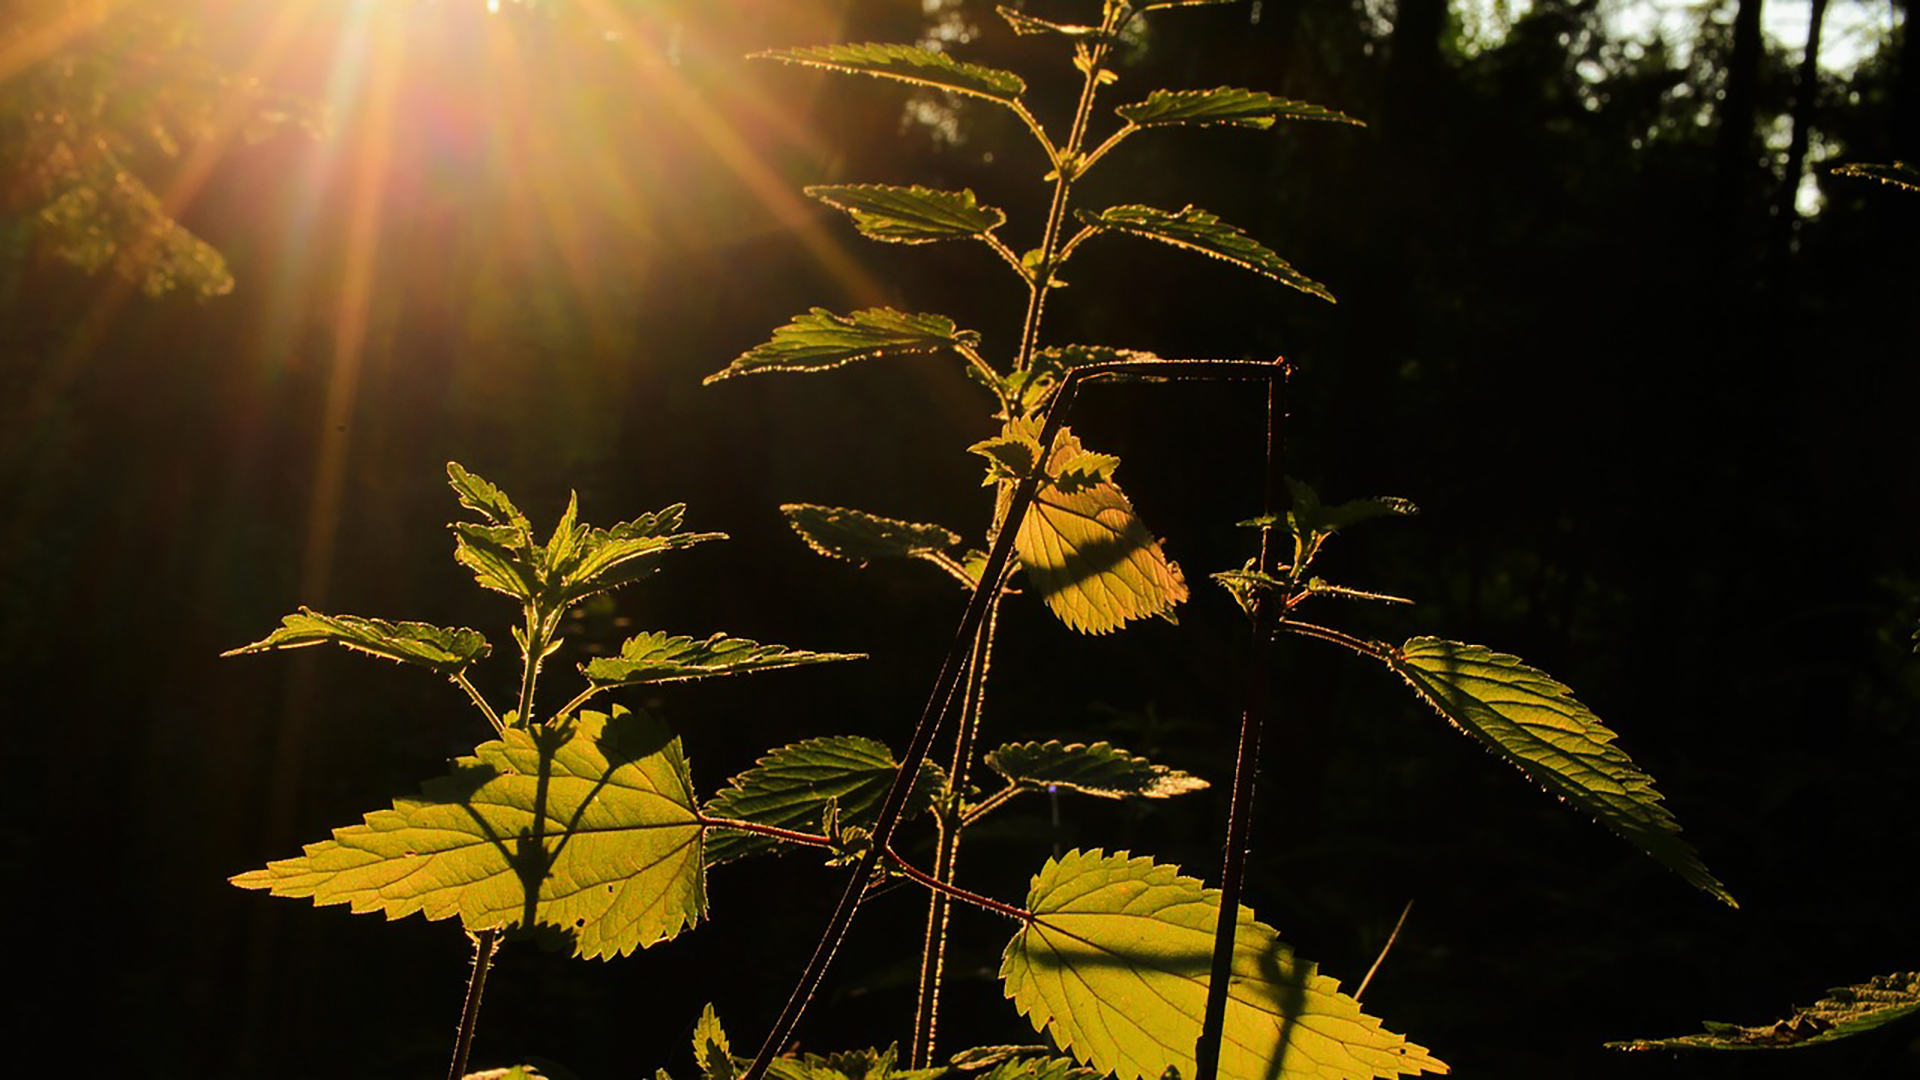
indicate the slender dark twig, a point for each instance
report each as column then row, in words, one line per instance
column 484, row 944
column 1246, row 764
column 991, row 580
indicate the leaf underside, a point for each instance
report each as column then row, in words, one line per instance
column 1845, row 1011
column 1090, row 557
column 1099, row 769
column 909, row 64
column 857, row 536
column 654, row 657
column 910, row 215
column 587, row 830
column 1197, row 230
column 1115, row 966
column 1534, row 722
column 790, row 788
column 446, row 651
column 821, row 341
column 1224, row 105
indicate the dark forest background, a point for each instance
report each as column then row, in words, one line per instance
column 1660, row 422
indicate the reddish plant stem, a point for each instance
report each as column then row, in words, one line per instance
column 958, row 652
column 1259, row 704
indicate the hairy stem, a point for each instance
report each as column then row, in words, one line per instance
column 536, row 648
column 460, row 680
column 985, row 903
column 1326, row 633
column 984, row 595
column 1067, row 167
column 933, row 953
column 1247, row 760
column 485, row 943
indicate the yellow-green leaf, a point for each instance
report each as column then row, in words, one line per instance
column 1196, row 230
column 1087, row 553
column 909, row 64
column 1224, row 105
column 436, row 648
column 585, row 829
column 1100, row 769
column 1115, row 967
column 821, row 340
column 910, row 215
column 1534, row 722
column 654, row 657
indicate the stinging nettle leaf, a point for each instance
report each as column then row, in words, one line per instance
column 1224, row 105
column 436, row 648
column 1524, row 716
column 1115, row 966
column 791, row 788
column 711, row 1052
column 654, row 657
column 821, row 340
column 483, row 498
column 1196, row 230
column 605, row 559
column 1100, row 769
column 910, row 215
column 910, row 64
column 858, row 537
column 1845, row 1011
column 587, row 829
column 1086, row 551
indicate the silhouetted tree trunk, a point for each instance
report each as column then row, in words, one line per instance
column 1413, row 64
column 1806, row 91
column 1736, row 140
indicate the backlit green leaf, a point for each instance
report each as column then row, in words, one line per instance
column 1526, row 717
column 1846, row 1010
column 501, row 557
column 482, row 497
column 1115, row 966
column 910, row 215
column 869, row 1064
column 790, row 789
column 654, row 657
column 1098, row 769
column 1088, row 555
column 821, row 340
column 910, row 64
column 1224, row 105
column 1196, row 230
column 576, row 562
column 1045, row 1067
column 436, row 648
column 605, row 559
column 858, row 537
column 710, row 1048
column 586, row 829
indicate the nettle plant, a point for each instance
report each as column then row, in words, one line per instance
column 583, row 828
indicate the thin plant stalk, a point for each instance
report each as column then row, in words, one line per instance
column 485, row 943
column 985, row 595
column 933, row 955
column 1247, row 760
